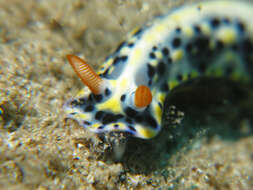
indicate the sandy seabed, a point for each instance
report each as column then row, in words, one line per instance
column 39, row 149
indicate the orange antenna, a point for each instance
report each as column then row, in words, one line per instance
column 143, row 96
column 86, row 74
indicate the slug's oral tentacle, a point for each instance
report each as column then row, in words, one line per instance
column 86, row 74
column 142, row 96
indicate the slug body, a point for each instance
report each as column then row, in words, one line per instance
column 205, row 39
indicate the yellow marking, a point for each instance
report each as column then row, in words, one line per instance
column 81, row 92
column 113, row 83
column 112, row 104
column 137, row 55
column 177, row 55
column 227, row 35
column 158, row 113
column 185, row 77
column 212, row 45
column 161, row 97
column 160, row 28
column 149, row 37
column 194, row 74
column 146, row 133
column 81, row 116
column 205, row 29
column 159, row 55
column 134, row 31
column 96, row 125
column 188, row 31
column 124, row 50
column 172, row 84
column 123, row 83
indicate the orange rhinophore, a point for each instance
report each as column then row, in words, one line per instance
column 86, row 74
column 143, row 96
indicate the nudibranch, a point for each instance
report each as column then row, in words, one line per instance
column 213, row 39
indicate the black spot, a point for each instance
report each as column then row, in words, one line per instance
column 74, row 103
column 179, row 77
column 197, row 29
column 165, row 51
column 169, row 60
column 131, row 128
column 160, row 105
column 241, row 26
column 151, row 71
column 189, row 48
column 119, row 59
column 178, row 30
column 90, row 97
column 138, row 118
column 226, row 20
column 154, row 48
column 152, row 55
column 165, row 87
column 89, row 108
column 202, row 67
column 116, row 126
column 215, row 22
column 108, row 118
column 219, row 45
column 120, row 46
column 176, row 42
column 161, row 68
column 99, row 115
column 247, row 46
column 138, row 32
column 128, row 120
column 105, row 73
column 202, row 43
column 101, row 127
column 151, row 121
column 118, row 116
column 98, row 97
column 107, row 92
column 131, row 44
column 150, row 82
column 122, row 98
column 130, row 112
column 86, row 123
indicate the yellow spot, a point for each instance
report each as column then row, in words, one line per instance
column 188, row 31
column 96, row 125
column 112, row 104
column 194, row 74
column 137, row 55
column 205, row 29
column 123, row 83
column 185, row 77
column 158, row 113
column 161, row 97
column 172, row 84
column 81, row 93
column 134, row 31
column 160, row 28
column 81, row 116
column 124, row 50
column 212, row 45
column 159, row 55
column 146, row 133
column 227, row 35
column 177, row 55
